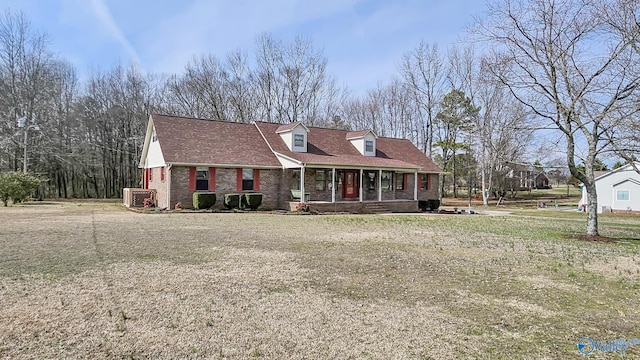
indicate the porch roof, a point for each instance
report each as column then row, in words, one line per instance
column 351, row 161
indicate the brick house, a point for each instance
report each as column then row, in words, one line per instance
column 338, row 170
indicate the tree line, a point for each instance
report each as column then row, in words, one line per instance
column 570, row 69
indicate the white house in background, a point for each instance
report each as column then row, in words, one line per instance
column 619, row 190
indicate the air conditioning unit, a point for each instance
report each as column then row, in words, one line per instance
column 134, row 198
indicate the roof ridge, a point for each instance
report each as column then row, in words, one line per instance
column 200, row 119
column 264, row 138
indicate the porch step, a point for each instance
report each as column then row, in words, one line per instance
column 375, row 208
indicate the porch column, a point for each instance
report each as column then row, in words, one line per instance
column 360, row 185
column 380, row 185
column 168, row 177
column 415, row 186
column 333, row 185
column 302, row 197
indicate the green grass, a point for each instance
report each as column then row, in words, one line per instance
column 98, row 281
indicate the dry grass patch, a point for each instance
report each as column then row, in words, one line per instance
column 95, row 281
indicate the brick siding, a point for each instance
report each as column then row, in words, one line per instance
column 160, row 186
column 226, row 182
column 276, row 185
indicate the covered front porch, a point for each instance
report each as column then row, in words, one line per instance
column 353, row 185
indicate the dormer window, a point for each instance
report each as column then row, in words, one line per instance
column 368, row 146
column 364, row 141
column 295, row 136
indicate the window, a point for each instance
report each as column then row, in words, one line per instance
column 400, row 181
column 162, row 173
column 321, row 180
column 368, row 146
column 371, row 180
column 295, row 180
column 622, row 195
column 424, row 181
column 298, row 140
column 150, row 174
column 247, row 179
column 387, row 180
column 202, row 179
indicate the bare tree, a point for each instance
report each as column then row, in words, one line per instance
column 422, row 70
column 25, row 74
column 266, row 77
column 201, row 90
column 114, row 111
column 291, row 81
column 623, row 19
column 240, row 94
column 462, row 69
column 550, row 65
column 501, row 130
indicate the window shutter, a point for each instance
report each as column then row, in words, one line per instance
column 212, row 179
column 256, row 179
column 146, row 178
column 239, row 179
column 428, row 181
column 192, row 178
column 404, row 181
column 420, row 181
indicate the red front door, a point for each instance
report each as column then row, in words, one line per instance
column 350, row 188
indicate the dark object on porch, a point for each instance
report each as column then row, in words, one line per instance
column 204, row 200
column 443, row 211
column 251, row 200
column 295, row 195
column 428, row 205
column 232, row 201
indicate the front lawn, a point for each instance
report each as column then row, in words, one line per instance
column 98, row 281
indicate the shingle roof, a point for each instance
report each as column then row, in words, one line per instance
column 358, row 134
column 209, row 142
column 287, row 127
column 331, row 147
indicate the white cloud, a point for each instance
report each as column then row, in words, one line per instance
column 101, row 10
column 219, row 27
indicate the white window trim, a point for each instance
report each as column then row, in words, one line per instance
column 618, row 191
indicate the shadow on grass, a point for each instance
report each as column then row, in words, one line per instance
column 32, row 203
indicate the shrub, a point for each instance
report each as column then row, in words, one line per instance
column 204, row 200
column 302, row 207
column 149, row 203
column 16, row 186
column 251, row 200
column 232, row 201
column 425, row 205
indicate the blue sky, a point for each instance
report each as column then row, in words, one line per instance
column 363, row 40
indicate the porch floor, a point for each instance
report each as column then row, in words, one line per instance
column 365, row 207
